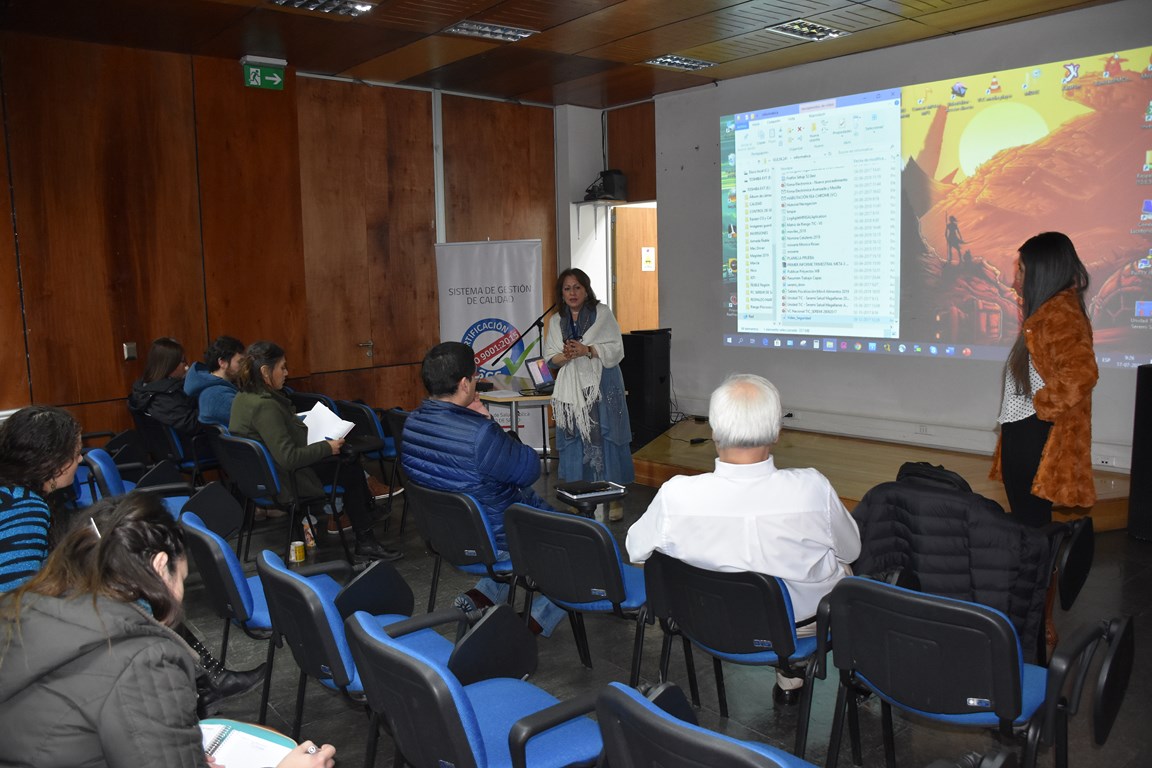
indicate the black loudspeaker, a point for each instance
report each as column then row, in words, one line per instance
column 1140, row 494
column 647, row 371
column 615, row 185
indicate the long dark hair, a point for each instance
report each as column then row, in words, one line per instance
column 258, row 355
column 581, row 277
column 35, row 444
column 1051, row 266
column 164, row 355
column 110, row 555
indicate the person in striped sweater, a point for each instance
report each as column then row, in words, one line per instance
column 39, row 453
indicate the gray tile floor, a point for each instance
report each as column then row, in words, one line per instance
column 1120, row 583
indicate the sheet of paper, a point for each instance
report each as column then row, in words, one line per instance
column 323, row 424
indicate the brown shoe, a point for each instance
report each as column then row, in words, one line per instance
column 335, row 527
column 379, row 490
column 615, row 511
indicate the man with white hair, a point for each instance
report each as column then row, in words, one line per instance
column 748, row 515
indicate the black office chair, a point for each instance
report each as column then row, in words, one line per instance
column 575, row 563
column 740, row 617
column 249, row 466
column 311, row 621
column 394, row 420
column 373, row 441
column 236, row 598
column 218, row 509
column 305, row 401
column 489, row 717
column 639, row 733
column 456, row 530
column 959, row 663
column 192, row 455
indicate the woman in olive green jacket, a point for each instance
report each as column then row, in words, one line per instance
column 262, row 412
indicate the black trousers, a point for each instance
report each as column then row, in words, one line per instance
column 1021, row 444
column 357, row 498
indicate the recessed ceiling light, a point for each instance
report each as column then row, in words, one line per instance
column 338, row 7
column 807, row 30
column 680, row 62
column 489, row 31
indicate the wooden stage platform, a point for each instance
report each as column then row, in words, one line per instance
column 853, row 465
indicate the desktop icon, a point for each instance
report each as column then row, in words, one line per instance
column 932, row 350
column 829, row 345
column 917, row 348
column 1071, row 72
column 872, row 346
column 949, row 350
column 903, row 348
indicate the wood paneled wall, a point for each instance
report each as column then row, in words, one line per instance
column 632, row 148
column 156, row 195
column 103, row 153
column 500, row 176
column 254, row 270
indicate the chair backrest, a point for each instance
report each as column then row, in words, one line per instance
column 161, row 440
column 570, row 558
column 639, row 734
column 310, row 625
column 249, row 465
column 1074, row 560
column 105, row 473
column 394, row 420
column 453, row 525
column 367, row 423
column 925, row 652
column 428, row 713
column 304, row 401
column 739, row 612
column 217, row 508
column 219, row 568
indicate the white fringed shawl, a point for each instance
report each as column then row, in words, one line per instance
column 577, row 387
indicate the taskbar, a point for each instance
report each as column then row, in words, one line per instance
column 901, row 348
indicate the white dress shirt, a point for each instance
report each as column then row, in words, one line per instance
column 787, row 523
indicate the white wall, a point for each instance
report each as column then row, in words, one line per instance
column 956, row 402
column 582, row 229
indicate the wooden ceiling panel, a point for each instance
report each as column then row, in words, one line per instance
column 425, row 54
column 717, row 26
column 321, row 45
column 740, row 47
column 427, row 16
column 622, row 85
column 540, row 14
column 904, row 31
column 576, row 58
column 174, row 26
column 508, row 72
column 621, row 20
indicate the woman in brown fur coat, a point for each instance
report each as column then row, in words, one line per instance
column 1045, row 448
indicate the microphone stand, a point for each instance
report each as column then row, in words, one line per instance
column 538, row 324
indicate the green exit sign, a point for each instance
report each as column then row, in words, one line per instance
column 271, row 78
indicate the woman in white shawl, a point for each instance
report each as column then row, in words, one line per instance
column 593, row 434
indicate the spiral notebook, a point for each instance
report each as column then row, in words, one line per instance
column 240, row 745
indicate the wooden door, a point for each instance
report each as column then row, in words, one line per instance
column 637, row 293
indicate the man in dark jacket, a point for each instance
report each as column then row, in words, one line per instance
column 451, row 443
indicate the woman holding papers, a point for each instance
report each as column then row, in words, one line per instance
column 91, row 672
column 592, row 429
column 262, row 411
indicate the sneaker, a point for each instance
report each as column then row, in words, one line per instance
column 379, row 490
column 470, row 601
column 335, row 527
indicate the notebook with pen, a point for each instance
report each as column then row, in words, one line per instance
column 234, row 743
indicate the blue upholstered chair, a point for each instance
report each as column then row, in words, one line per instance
column 740, row 617
column 103, row 479
column 438, row 718
column 959, row 663
column 575, row 562
column 310, row 620
column 639, row 733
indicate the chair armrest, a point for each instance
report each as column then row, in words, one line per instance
column 823, row 618
column 425, row 621
column 377, row 590
column 538, row 722
column 164, row 473
column 340, row 570
column 168, row 489
column 1076, row 649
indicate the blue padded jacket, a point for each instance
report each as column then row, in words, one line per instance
column 449, row 448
